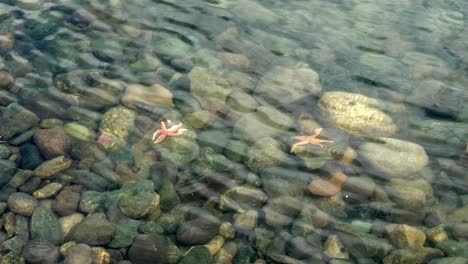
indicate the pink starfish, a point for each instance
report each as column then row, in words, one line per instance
column 163, row 132
column 313, row 140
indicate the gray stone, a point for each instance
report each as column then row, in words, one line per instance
column 266, row 152
column 242, row 102
column 95, row 230
column 68, row 224
column 66, row 203
column 393, row 157
column 79, row 254
column 209, row 88
column 242, row 198
column 409, row 194
column 281, row 211
column 282, row 86
column 22, row 203
column 40, row 252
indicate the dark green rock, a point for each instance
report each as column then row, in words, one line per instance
column 45, row 226
column 31, row 157
column 362, row 244
column 169, row 197
column 126, row 231
column 13, row 244
column 245, row 255
column 198, row 231
column 214, row 139
column 454, row 248
column 148, row 249
column 14, row 257
column 91, row 180
column 95, row 230
column 412, row 256
column 150, row 228
column 22, row 227
column 15, row 119
column 198, row 254
column 92, row 201
column 7, row 170
column 452, row 260
column 168, row 222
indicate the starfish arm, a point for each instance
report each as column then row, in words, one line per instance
column 298, row 144
column 160, row 139
column 174, row 128
column 179, row 132
column 315, row 141
column 163, row 126
column 156, row 133
column 317, row 132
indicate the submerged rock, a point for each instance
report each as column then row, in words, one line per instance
column 283, row 87
column 405, row 236
column 393, row 157
column 145, row 97
column 148, row 249
column 198, row 254
column 52, row 167
column 115, row 126
column 79, row 254
column 45, row 226
column 52, row 142
column 358, row 114
column 95, row 230
column 198, row 231
column 22, row 203
column 242, row 198
column 37, row 251
column 409, row 194
column 209, row 88
column 15, row 119
column 266, row 152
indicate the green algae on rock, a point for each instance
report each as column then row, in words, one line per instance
column 115, row 127
column 358, row 114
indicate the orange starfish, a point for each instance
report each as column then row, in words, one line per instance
column 304, row 140
column 163, row 132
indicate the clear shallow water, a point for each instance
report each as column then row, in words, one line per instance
column 89, row 81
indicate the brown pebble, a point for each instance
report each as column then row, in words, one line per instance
column 328, row 187
column 7, row 42
column 6, row 80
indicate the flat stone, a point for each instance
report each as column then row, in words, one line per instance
column 52, row 167
column 393, row 157
column 22, row 203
